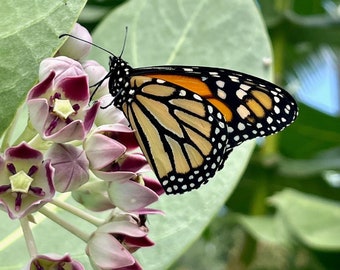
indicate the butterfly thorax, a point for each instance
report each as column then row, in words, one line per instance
column 119, row 83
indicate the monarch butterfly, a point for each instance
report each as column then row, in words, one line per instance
column 188, row 119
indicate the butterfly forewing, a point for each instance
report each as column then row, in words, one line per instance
column 258, row 108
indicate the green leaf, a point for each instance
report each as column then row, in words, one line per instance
column 309, row 219
column 212, row 33
column 221, row 33
column 29, row 32
column 312, row 220
column 188, row 33
column 313, row 132
column 270, row 229
column 326, row 160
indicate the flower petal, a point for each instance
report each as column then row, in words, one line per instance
column 23, row 151
column 107, row 253
column 121, row 133
column 96, row 73
column 153, row 184
column 130, row 196
column 71, row 166
column 102, row 150
column 134, row 162
column 43, row 87
column 73, row 131
column 114, row 176
column 75, row 89
column 39, row 112
column 123, row 227
column 138, row 242
column 90, row 114
column 53, row 261
column 111, row 115
column 62, row 66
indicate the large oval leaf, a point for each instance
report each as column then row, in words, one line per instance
column 313, row 220
column 200, row 32
column 220, row 33
column 28, row 33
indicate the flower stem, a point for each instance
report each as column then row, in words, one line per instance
column 30, row 243
column 78, row 212
column 66, row 225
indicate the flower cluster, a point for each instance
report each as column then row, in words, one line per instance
column 73, row 145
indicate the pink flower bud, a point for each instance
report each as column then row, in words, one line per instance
column 71, row 166
column 77, row 49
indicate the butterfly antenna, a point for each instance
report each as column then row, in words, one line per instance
column 88, row 42
column 124, row 43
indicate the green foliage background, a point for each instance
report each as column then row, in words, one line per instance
column 283, row 213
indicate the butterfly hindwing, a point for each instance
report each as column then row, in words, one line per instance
column 182, row 135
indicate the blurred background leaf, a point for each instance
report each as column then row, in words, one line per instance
column 164, row 32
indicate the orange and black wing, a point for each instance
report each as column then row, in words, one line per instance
column 188, row 119
column 252, row 107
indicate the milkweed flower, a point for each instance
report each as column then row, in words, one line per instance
column 53, row 261
column 59, row 108
column 112, row 159
column 86, row 148
column 111, row 245
column 70, row 164
column 26, row 181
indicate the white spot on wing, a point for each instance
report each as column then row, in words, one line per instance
column 241, row 126
column 242, row 111
column 240, row 93
column 244, row 86
column 269, row 120
column 197, row 97
column 220, row 83
column 234, row 78
column 182, row 93
column 221, row 94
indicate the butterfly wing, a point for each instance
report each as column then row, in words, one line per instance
column 188, row 119
column 182, row 135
